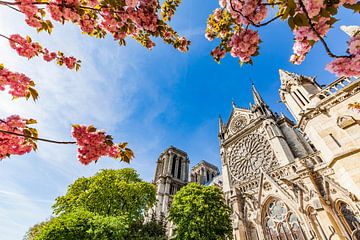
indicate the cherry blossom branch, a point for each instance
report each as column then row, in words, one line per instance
column 251, row 21
column 9, row 4
column 271, row 4
column 312, row 26
column 35, row 138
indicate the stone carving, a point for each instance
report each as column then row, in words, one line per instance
column 249, row 155
column 238, row 123
column 267, row 186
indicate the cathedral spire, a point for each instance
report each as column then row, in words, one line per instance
column 286, row 76
column 257, row 98
column 221, row 124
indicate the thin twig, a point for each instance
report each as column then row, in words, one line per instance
column 60, row 5
column 251, row 21
column 312, row 26
column 271, row 4
column 13, row 8
column 35, row 138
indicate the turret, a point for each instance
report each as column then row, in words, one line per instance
column 296, row 92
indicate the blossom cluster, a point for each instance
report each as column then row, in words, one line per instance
column 305, row 37
column 138, row 19
column 19, row 84
column 93, row 144
column 244, row 44
column 350, row 66
column 246, row 11
column 31, row 12
column 309, row 20
column 11, row 144
column 27, row 48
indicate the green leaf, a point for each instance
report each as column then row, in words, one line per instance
column 291, row 23
column 31, row 121
column 34, row 94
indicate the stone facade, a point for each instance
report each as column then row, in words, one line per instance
column 286, row 180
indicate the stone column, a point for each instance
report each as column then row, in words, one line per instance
column 170, row 161
column 183, row 170
column 186, row 170
column 176, row 167
column 165, row 164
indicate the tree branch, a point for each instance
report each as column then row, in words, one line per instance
column 251, row 21
column 312, row 26
column 35, row 138
column 61, row 5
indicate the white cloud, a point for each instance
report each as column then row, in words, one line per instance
column 99, row 94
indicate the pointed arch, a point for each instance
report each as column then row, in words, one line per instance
column 348, row 218
column 279, row 221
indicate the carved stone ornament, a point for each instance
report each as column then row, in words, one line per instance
column 267, row 186
column 238, row 123
column 249, row 155
column 345, row 121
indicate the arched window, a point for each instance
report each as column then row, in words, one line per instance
column 348, row 219
column 280, row 223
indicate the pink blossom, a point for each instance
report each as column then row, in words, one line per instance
column 244, row 44
column 303, row 36
column 23, row 47
column 17, row 82
column 131, row 3
column 349, row 67
column 93, row 144
column 218, row 53
column 12, row 144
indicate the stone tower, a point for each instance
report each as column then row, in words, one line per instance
column 204, row 172
column 171, row 174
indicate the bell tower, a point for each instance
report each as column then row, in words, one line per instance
column 171, row 174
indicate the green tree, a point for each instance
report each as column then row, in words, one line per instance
column 200, row 213
column 106, row 206
column 109, row 193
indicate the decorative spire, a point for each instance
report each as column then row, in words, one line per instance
column 221, row 128
column 233, row 103
column 286, row 76
column 257, row 98
column 221, row 124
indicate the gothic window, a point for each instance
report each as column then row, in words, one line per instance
column 249, row 155
column 280, row 223
column 302, row 95
column 348, row 219
column 207, row 176
column 173, row 166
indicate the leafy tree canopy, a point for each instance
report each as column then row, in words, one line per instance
column 110, row 193
column 108, row 205
column 200, row 213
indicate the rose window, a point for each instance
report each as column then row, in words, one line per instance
column 249, row 155
column 237, row 123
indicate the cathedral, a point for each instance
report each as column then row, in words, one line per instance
column 282, row 179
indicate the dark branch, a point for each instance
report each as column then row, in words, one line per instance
column 312, row 26
column 251, row 21
column 35, row 138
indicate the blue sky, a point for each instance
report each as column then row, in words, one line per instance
column 152, row 99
